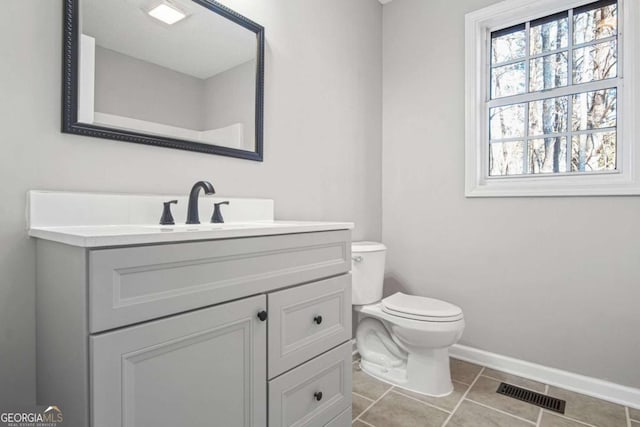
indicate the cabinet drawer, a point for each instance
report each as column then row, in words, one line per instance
column 130, row 285
column 307, row 320
column 342, row 420
column 294, row 397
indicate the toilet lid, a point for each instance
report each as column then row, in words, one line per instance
column 416, row 307
column 367, row 247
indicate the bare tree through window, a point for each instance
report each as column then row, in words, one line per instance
column 532, row 131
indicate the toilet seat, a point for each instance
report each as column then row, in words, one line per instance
column 421, row 308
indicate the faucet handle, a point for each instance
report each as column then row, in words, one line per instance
column 167, row 218
column 217, row 214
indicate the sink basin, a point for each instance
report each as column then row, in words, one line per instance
column 209, row 226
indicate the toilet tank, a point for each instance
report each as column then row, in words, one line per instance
column 367, row 270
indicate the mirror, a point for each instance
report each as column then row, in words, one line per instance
column 184, row 74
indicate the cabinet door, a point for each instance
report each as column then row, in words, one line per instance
column 204, row 368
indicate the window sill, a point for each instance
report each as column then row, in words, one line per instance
column 553, row 186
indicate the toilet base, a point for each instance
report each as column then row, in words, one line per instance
column 425, row 373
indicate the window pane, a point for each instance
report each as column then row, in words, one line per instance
column 594, row 110
column 507, row 121
column 508, row 47
column 595, row 23
column 595, row 62
column 548, row 116
column 593, row 152
column 548, row 72
column 507, row 80
column 547, row 155
column 505, row 158
column 549, row 36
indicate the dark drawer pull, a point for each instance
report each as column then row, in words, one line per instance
column 318, row 320
column 262, row 315
column 318, row 395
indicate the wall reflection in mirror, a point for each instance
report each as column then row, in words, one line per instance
column 172, row 69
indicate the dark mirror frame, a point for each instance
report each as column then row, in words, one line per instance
column 70, row 122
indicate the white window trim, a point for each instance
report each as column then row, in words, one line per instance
column 625, row 181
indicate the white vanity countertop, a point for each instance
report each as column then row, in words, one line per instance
column 93, row 236
column 93, row 220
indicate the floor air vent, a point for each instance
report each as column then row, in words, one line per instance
column 544, row 401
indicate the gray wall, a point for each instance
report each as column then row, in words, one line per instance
column 549, row 280
column 229, row 97
column 153, row 93
column 322, row 141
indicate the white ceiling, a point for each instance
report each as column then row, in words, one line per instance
column 202, row 45
column 384, row 1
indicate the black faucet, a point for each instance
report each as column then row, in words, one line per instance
column 192, row 210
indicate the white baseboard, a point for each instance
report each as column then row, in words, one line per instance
column 605, row 390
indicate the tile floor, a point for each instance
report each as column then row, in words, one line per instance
column 475, row 403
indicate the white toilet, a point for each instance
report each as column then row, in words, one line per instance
column 402, row 339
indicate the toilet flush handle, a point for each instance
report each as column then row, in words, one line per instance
column 356, row 258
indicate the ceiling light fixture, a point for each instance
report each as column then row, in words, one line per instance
column 167, row 14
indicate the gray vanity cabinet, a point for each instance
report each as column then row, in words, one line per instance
column 175, row 335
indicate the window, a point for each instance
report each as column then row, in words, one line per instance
column 565, row 68
column 547, row 98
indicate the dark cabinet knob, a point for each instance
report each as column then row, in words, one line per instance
column 318, row 320
column 262, row 315
column 318, row 395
